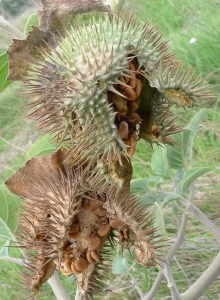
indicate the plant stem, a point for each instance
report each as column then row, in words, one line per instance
column 176, row 246
column 171, row 283
column 17, row 261
column 11, row 29
column 115, row 5
column 57, row 287
column 201, row 217
column 204, row 281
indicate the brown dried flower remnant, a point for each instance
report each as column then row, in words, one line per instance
column 98, row 87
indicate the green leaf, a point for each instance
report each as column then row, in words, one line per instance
column 189, row 177
column 193, row 126
column 32, row 20
column 4, row 250
column 177, row 154
column 5, row 232
column 150, row 197
column 3, row 71
column 159, row 161
column 8, row 207
column 139, row 185
column 171, row 198
column 158, row 222
column 119, row 265
column 42, row 146
column 197, row 119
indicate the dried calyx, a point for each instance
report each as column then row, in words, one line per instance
column 98, row 88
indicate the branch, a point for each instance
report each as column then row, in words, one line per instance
column 11, row 29
column 204, row 281
column 57, row 287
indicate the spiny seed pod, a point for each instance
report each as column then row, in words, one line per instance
column 76, row 76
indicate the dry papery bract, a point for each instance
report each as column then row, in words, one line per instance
column 68, row 221
column 97, row 88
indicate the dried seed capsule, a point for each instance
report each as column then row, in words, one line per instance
column 89, row 257
column 103, row 229
column 74, row 270
column 116, row 224
column 92, row 242
column 95, row 255
column 97, row 207
column 67, row 264
column 123, row 130
column 74, row 228
column 81, row 264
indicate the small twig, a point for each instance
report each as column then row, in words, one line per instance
column 136, row 286
column 11, row 29
column 13, row 145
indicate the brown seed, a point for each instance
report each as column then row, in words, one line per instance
column 92, row 242
column 123, row 130
column 74, row 270
column 95, row 255
column 132, row 82
column 89, row 257
column 66, row 273
column 133, row 105
column 103, row 229
column 120, row 103
column 131, row 66
column 129, row 93
column 74, row 228
column 131, row 150
column 138, row 88
column 97, row 208
column 137, row 119
column 116, row 223
column 68, row 251
column 126, row 78
column 67, row 264
column 86, row 203
column 73, row 235
column 81, row 264
column 121, row 78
